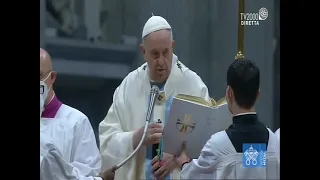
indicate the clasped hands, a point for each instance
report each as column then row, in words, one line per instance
column 161, row 169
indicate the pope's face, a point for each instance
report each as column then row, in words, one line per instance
column 157, row 50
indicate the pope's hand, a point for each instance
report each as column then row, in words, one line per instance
column 153, row 135
column 161, row 169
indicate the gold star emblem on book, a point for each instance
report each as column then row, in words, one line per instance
column 185, row 126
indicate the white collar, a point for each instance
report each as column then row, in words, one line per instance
column 240, row 114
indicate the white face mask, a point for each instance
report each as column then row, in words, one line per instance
column 44, row 88
column 41, row 105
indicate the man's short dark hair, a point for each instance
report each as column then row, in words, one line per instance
column 243, row 77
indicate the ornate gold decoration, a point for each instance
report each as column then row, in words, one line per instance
column 161, row 98
column 199, row 100
column 239, row 56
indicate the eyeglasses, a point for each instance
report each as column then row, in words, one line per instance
column 41, row 89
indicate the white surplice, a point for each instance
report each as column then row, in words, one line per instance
column 53, row 166
column 73, row 135
column 220, row 160
column 278, row 133
column 128, row 113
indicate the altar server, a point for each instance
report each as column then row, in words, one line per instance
column 225, row 155
column 122, row 128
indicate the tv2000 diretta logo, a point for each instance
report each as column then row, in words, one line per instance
column 253, row 19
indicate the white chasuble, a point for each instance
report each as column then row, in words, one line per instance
column 128, row 113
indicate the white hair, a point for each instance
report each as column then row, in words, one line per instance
column 171, row 36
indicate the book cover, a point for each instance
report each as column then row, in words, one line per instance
column 194, row 120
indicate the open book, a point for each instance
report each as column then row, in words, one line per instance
column 194, row 120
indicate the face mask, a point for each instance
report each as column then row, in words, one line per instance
column 44, row 88
column 41, row 105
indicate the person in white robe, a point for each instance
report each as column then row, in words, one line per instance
column 222, row 155
column 278, row 133
column 69, row 129
column 54, row 167
column 122, row 129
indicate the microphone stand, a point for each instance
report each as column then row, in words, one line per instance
column 153, row 95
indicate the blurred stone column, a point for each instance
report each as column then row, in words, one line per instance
column 112, row 28
column 224, row 33
column 42, row 22
column 131, row 10
column 200, row 42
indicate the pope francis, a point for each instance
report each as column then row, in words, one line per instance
column 122, row 128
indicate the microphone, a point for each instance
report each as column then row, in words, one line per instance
column 153, row 96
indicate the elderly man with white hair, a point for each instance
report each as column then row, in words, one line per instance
column 122, row 128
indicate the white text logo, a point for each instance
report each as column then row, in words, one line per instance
column 253, row 19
